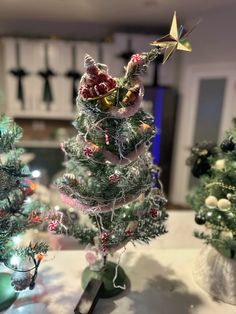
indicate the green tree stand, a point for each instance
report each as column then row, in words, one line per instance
column 106, row 275
column 7, row 293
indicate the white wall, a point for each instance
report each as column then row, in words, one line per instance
column 214, row 38
column 214, row 45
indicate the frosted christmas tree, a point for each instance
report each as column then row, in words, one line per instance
column 17, row 213
column 109, row 171
column 214, row 198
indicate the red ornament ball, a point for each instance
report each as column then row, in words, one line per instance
column 28, row 187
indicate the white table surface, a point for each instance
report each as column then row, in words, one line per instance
column 160, row 275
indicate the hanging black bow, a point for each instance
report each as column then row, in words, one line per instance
column 46, row 75
column 74, row 75
column 19, row 74
column 47, row 91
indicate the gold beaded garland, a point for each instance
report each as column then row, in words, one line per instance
column 221, row 184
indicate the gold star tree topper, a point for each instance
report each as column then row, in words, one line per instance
column 175, row 40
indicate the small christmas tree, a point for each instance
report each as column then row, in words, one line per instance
column 110, row 175
column 17, row 212
column 214, row 197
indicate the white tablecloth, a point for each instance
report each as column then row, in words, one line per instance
column 160, row 276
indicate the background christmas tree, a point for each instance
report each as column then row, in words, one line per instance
column 18, row 212
column 214, row 197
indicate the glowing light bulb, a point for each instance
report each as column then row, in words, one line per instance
column 16, row 239
column 28, row 200
column 15, row 260
column 36, row 173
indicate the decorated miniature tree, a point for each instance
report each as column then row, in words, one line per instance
column 17, row 213
column 214, row 197
column 214, row 200
column 109, row 171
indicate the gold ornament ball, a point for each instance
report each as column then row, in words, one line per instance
column 211, row 201
column 220, row 164
column 224, row 204
column 226, row 235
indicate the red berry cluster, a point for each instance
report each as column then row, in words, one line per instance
column 129, row 233
column 113, row 178
column 95, row 82
column 34, row 217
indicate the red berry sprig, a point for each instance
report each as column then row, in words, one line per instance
column 34, row 217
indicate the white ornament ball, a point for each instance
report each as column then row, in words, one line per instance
column 224, row 204
column 211, row 201
column 229, row 195
column 220, row 164
column 226, row 235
